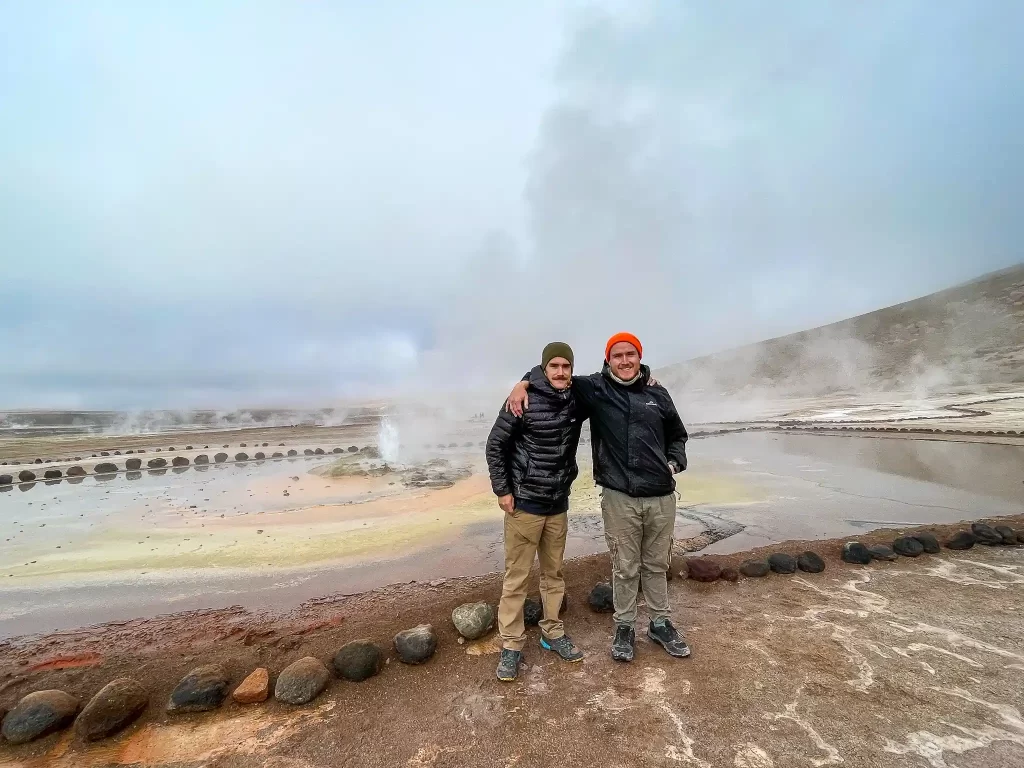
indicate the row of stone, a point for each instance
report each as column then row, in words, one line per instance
column 122, row 701
column 926, row 543
column 110, row 468
column 916, row 430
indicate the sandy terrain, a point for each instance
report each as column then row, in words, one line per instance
column 916, row 662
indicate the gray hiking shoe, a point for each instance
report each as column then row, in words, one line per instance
column 624, row 643
column 664, row 634
column 508, row 665
column 563, row 646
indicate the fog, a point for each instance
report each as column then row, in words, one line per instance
column 279, row 204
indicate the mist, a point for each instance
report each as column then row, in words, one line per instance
column 303, row 206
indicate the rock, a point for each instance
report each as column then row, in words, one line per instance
column 1007, row 533
column 336, row 450
column 882, row 552
column 26, row 476
column 533, row 612
column 473, row 620
column 908, row 547
column 416, row 645
column 703, row 569
column 730, row 574
column 780, row 562
column 180, row 461
column 277, row 455
column 319, row 451
column 1020, row 537
column 201, row 690
column 52, row 474
column 600, row 598
column 755, row 569
column 116, row 706
column 242, row 445
column 810, row 562
column 260, row 455
column 293, row 452
column 6, row 480
column 105, row 468
column 928, row 542
column 220, row 458
column 39, row 714
column 202, row 458
column 156, row 463
column 986, row 534
column 254, row 689
column 358, row 661
column 963, row 540
column 241, row 456
column 307, row 452
column 353, row 449
column 856, row 553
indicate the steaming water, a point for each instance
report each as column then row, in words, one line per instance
column 387, row 441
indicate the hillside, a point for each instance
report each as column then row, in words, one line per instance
column 967, row 335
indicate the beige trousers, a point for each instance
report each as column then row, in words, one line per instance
column 527, row 535
column 639, row 535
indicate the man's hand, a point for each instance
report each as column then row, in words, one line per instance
column 674, row 467
column 518, row 401
column 653, row 382
column 507, row 503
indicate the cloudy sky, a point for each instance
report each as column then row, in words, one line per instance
column 242, row 203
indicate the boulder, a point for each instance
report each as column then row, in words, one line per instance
column 962, row 540
column 730, row 574
column 156, row 463
column 180, row 461
column 755, row 569
column 1007, row 533
column 293, row 452
column 928, row 542
column 254, row 689
column 202, row 458
column 856, row 553
column 908, row 547
column 473, row 620
column 986, row 534
column 277, row 455
column 416, row 645
column 26, row 476
column 52, row 474
column 76, row 471
column 882, row 552
column 39, row 714
column 242, row 445
column 533, row 612
column 780, row 562
column 266, row 444
column 1020, row 537
column 319, row 451
column 703, row 569
column 220, row 458
column 307, row 452
column 336, row 450
column 6, row 480
column 116, row 706
column 358, row 661
column 259, row 456
column 353, row 449
column 810, row 562
column 600, row 598
column 241, row 456
column 105, row 468
column 201, row 690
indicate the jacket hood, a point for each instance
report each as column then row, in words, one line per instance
column 645, row 375
column 539, row 382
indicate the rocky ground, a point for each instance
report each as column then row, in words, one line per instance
column 911, row 662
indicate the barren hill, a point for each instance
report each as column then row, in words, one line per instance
column 971, row 334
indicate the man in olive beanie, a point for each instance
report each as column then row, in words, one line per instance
column 532, row 463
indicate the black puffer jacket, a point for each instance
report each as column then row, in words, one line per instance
column 534, row 457
column 635, row 431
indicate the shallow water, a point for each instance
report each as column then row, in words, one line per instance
column 76, row 554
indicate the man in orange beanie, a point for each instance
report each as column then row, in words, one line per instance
column 639, row 444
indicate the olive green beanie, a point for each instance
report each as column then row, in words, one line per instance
column 553, row 350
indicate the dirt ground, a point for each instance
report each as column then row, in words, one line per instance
column 916, row 662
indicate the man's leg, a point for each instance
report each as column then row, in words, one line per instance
column 551, row 554
column 656, row 555
column 623, row 531
column 522, row 534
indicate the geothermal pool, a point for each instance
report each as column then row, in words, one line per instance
column 273, row 534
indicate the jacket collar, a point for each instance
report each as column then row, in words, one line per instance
column 645, row 375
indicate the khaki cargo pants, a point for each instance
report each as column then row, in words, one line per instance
column 527, row 535
column 639, row 535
